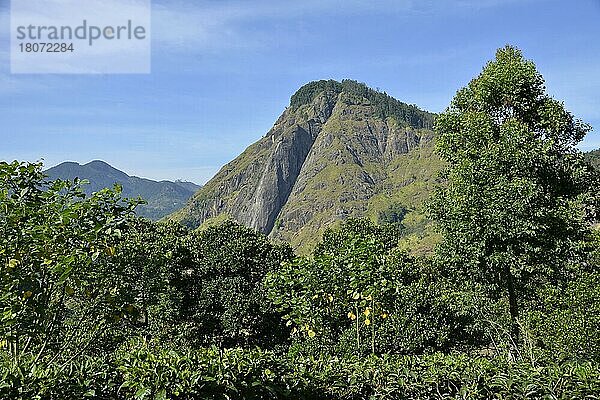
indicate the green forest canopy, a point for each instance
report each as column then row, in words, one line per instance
column 385, row 105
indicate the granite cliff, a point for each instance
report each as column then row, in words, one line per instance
column 339, row 150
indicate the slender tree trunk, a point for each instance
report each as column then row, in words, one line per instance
column 513, row 308
column 357, row 331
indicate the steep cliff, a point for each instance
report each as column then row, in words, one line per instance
column 339, row 150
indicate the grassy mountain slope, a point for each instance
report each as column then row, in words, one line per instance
column 339, row 150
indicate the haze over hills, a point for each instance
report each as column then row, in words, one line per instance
column 163, row 197
column 339, row 150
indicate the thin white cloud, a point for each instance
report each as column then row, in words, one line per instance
column 223, row 25
column 220, row 25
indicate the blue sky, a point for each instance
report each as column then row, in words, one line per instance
column 223, row 71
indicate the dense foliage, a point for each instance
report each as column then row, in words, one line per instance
column 152, row 372
column 358, row 294
column 57, row 301
column 516, row 210
column 97, row 303
column 394, row 214
column 385, row 105
column 225, row 301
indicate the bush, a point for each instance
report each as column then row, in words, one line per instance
column 151, row 257
column 84, row 377
column 151, row 372
column 57, row 301
column 223, row 299
column 452, row 377
column 564, row 325
column 357, row 295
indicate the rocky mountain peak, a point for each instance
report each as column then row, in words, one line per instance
column 329, row 153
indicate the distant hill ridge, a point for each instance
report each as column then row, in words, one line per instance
column 163, row 197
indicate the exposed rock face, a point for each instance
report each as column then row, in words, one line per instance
column 279, row 176
column 337, row 151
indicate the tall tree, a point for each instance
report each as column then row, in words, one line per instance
column 516, row 207
column 56, row 300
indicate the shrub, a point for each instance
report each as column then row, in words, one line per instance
column 224, row 300
column 358, row 295
column 56, row 300
column 564, row 324
column 151, row 372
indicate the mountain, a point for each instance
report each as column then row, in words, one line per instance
column 339, row 150
column 593, row 157
column 163, row 197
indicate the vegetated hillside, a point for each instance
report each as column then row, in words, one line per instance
column 96, row 303
column 593, row 157
column 163, row 197
column 339, row 150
